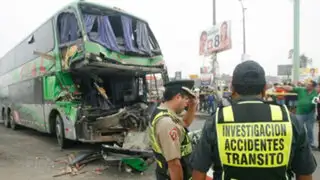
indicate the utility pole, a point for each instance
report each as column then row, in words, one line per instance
column 214, row 55
column 214, row 12
column 243, row 30
column 296, row 41
column 243, row 26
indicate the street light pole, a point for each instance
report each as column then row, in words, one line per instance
column 243, row 30
column 214, row 55
column 243, row 26
column 296, row 40
column 214, row 12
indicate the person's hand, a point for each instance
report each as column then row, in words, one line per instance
column 316, row 100
column 193, row 102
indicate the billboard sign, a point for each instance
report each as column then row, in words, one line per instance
column 309, row 74
column 215, row 39
column 205, row 75
column 284, row 70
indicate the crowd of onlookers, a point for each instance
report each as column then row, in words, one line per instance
column 289, row 99
column 207, row 102
column 210, row 99
column 302, row 100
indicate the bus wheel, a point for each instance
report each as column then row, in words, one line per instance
column 62, row 141
column 7, row 121
column 13, row 124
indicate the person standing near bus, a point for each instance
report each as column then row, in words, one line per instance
column 211, row 102
column 305, row 110
column 318, row 113
column 252, row 140
column 168, row 131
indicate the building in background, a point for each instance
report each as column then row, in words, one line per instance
column 178, row 75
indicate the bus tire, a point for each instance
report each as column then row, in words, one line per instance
column 7, row 121
column 62, row 141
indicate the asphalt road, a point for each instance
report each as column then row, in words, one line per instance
column 26, row 154
column 29, row 155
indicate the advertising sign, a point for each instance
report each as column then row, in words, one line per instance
column 309, row 74
column 205, row 75
column 215, row 39
column 284, row 70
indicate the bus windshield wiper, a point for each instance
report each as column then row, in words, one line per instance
column 137, row 53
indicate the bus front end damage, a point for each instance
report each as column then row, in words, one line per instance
column 113, row 125
column 113, row 107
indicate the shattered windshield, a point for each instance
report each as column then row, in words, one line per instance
column 119, row 32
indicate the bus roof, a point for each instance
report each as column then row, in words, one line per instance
column 75, row 4
column 119, row 10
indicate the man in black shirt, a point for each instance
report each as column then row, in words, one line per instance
column 252, row 140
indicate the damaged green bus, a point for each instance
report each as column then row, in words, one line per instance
column 82, row 76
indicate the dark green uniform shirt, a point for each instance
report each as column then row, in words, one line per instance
column 206, row 152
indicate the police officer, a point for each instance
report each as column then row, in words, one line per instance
column 252, row 140
column 168, row 131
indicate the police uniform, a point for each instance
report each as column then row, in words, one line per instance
column 168, row 136
column 252, row 140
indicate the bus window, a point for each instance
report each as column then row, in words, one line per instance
column 119, row 32
column 68, row 33
column 68, row 27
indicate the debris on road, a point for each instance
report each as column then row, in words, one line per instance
column 74, row 164
column 134, row 155
column 99, row 170
column 126, row 159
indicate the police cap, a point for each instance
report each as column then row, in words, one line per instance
column 249, row 73
column 178, row 85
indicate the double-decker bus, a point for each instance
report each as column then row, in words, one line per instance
column 81, row 75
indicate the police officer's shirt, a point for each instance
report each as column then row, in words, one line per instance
column 169, row 134
column 302, row 161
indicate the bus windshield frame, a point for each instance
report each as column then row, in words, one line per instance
column 118, row 31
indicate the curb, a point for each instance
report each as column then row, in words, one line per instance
column 202, row 116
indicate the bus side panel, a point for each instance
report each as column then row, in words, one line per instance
column 27, row 103
column 66, row 109
column 49, row 89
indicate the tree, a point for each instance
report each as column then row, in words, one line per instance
column 304, row 61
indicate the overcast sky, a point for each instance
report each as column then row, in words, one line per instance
column 177, row 25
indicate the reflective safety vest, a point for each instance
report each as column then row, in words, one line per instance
column 254, row 149
column 186, row 148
